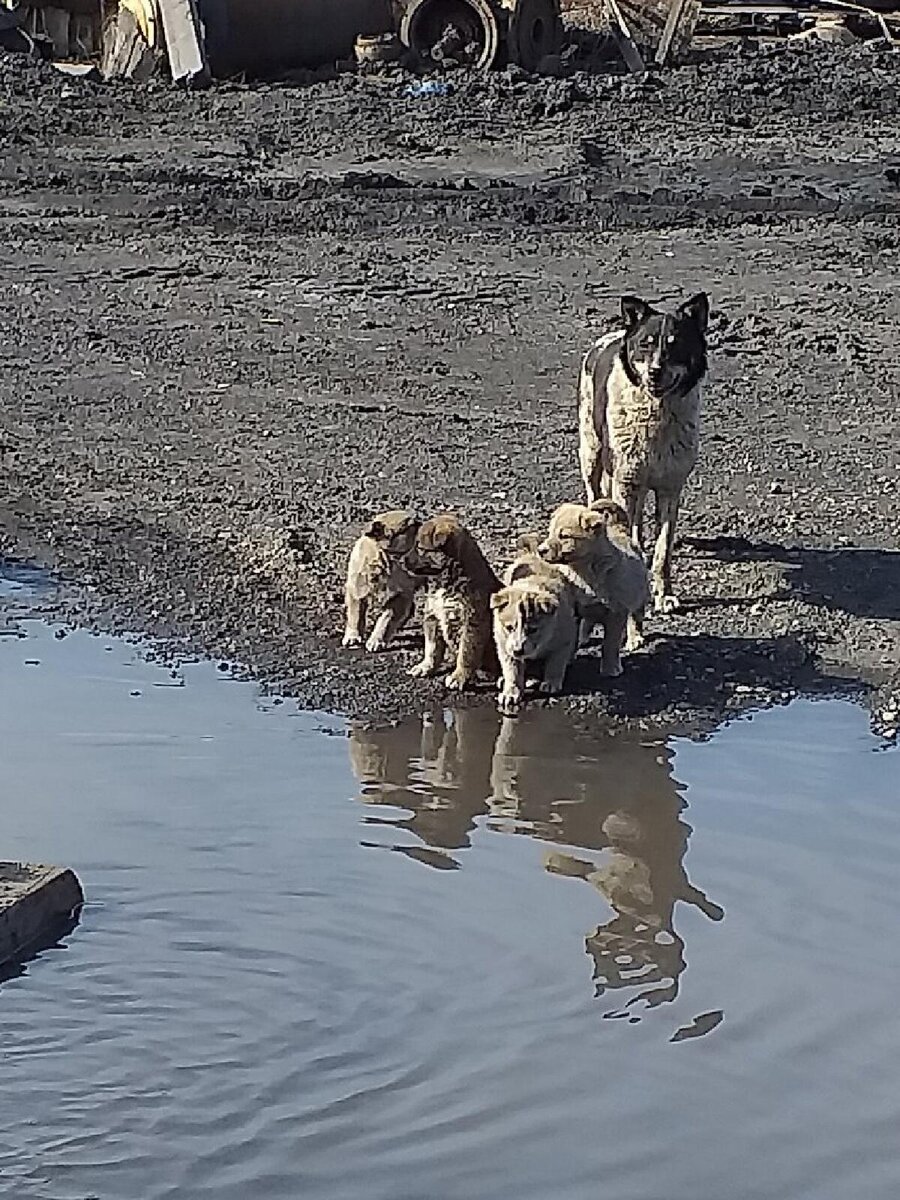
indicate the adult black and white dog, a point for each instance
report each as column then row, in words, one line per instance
column 639, row 419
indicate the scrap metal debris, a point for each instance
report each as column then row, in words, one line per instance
column 202, row 38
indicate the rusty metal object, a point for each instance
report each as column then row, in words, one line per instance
column 535, row 32
column 482, row 33
column 468, row 32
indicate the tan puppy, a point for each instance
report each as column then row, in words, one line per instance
column 535, row 625
column 376, row 572
column 594, row 548
column 457, row 617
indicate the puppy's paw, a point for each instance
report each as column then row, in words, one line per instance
column 509, row 704
column 376, row 643
column 423, row 670
column 351, row 640
column 667, row 603
column 550, row 687
column 611, row 670
column 456, row 681
column 636, row 641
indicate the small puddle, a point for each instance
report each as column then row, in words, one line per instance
column 464, row 957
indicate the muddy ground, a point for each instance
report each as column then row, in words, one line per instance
column 236, row 323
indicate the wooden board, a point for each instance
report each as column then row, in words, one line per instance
column 646, row 20
column 37, row 904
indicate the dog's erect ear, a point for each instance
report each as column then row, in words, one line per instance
column 634, row 311
column 697, row 310
column 375, row 530
column 499, row 599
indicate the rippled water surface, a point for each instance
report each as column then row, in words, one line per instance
column 457, row 960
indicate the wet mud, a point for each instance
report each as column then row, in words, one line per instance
column 236, row 323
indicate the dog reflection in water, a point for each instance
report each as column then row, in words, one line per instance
column 612, row 798
column 437, row 769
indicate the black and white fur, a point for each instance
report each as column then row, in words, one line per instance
column 639, row 419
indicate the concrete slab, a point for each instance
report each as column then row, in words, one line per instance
column 37, row 903
column 78, row 70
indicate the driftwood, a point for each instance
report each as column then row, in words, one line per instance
column 126, row 54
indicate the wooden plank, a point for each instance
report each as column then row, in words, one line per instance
column 184, row 42
column 673, row 21
column 625, row 42
column 37, row 904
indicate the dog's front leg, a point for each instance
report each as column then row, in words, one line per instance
column 395, row 614
column 591, row 615
column 635, row 639
column 434, row 648
column 509, row 702
column 590, row 457
column 613, row 637
column 557, row 663
column 666, row 516
column 632, row 497
column 356, row 616
column 469, row 657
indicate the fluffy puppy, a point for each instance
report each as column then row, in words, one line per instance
column 376, row 573
column 457, row 617
column 535, row 626
column 594, row 548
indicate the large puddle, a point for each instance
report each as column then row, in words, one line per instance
column 469, row 959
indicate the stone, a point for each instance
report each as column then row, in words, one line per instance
column 37, row 905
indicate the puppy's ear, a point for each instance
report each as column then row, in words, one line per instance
column 438, row 537
column 499, row 599
column 591, row 520
column 697, row 310
column 440, row 533
column 544, row 602
column 375, row 530
column 611, row 512
column 634, row 311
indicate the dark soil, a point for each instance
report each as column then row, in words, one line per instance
column 236, row 323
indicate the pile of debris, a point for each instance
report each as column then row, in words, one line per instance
column 200, row 39
column 225, row 38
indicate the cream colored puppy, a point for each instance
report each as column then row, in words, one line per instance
column 535, row 626
column 594, row 548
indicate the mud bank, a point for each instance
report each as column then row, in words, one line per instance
column 236, row 323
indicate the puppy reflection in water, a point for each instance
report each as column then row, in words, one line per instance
column 547, row 777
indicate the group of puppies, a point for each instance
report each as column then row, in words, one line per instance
column 639, row 410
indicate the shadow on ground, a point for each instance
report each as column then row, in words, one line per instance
column 705, row 676
column 864, row 583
